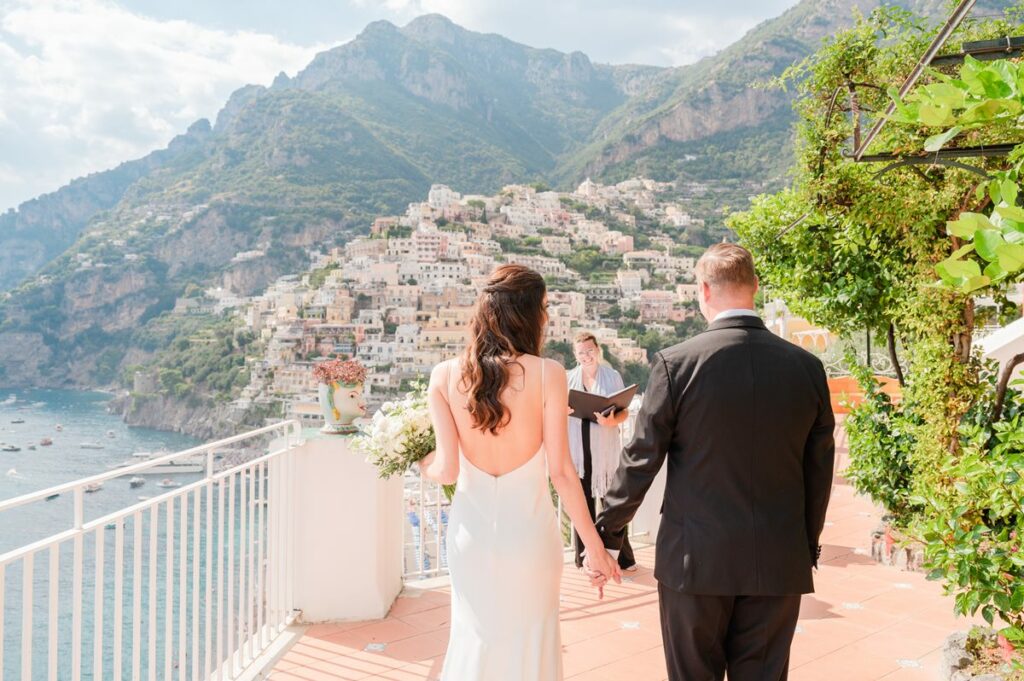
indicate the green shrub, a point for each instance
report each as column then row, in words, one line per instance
column 973, row 534
column 974, row 525
column 881, row 440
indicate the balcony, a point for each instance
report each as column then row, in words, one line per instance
column 259, row 571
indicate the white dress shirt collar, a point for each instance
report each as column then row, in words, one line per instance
column 737, row 312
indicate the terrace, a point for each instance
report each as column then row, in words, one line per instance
column 248, row 573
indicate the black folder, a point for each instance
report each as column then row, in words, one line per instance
column 584, row 404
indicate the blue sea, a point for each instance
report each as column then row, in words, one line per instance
column 70, row 419
column 81, row 418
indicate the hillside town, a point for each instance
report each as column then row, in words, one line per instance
column 399, row 299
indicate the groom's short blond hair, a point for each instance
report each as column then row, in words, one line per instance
column 728, row 266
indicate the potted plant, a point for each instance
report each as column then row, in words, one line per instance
column 341, row 394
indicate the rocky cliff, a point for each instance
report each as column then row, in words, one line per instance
column 163, row 412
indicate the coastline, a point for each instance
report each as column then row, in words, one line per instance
column 186, row 416
column 178, row 415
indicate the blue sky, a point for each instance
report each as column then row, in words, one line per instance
column 86, row 84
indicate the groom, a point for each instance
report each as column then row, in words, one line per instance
column 746, row 424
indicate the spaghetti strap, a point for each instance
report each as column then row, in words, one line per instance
column 543, row 392
column 448, row 381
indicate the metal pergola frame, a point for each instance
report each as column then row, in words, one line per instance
column 984, row 50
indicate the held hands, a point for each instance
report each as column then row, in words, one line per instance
column 600, row 566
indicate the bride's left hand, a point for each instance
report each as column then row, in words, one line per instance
column 602, row 567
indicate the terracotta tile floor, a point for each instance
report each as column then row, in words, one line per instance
column 865, row 622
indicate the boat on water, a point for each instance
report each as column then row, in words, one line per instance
column 167, row 482
column 191, row 465
column 10, row 448
column 137, row 481
column 91, row 445
column 110, row 433
column 94, row 487
column 45, row 442
column 32, row 448
column 143, row 497
column 53, row 496
column 17, row 420
column 59, row 427
column 174, row 468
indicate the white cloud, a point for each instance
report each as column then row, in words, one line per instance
column 658, row 32
column 86, row 84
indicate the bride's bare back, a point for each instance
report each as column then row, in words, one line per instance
column 518, row 441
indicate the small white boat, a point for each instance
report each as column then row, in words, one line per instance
column 94, row 487
column 174, row 468
column 10, row 448
column 137, row 481
column 110, row 433
column 59, row 427
column 17, row 420
column 91, row 445
column 45, row 442
column 13, row 473
column 143, row 497
column 167, row 482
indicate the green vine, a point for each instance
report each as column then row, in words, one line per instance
column 900, row 254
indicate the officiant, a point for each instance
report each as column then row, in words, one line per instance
column 596, row 446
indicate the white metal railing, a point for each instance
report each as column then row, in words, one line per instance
column 424, row 552
column 423, row 545
column 192, row 584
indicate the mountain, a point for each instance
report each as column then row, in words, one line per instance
column 93, row 269
column 43, row 228
column 706, row 122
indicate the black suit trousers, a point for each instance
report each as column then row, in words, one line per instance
column 706, row 636
column 626, row 556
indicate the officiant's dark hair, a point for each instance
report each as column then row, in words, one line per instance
column 508, row 321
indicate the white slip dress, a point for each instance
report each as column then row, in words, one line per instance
column 505, row 557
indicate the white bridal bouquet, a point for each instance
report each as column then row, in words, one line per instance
column 399, row 435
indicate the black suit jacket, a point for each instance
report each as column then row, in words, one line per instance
column 745, row 421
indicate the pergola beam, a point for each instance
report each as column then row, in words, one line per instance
column 987, row 151
column 984, row 50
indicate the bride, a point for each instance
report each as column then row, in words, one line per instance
column 499, row 413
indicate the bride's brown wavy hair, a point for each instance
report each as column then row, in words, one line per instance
column 508, row 322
